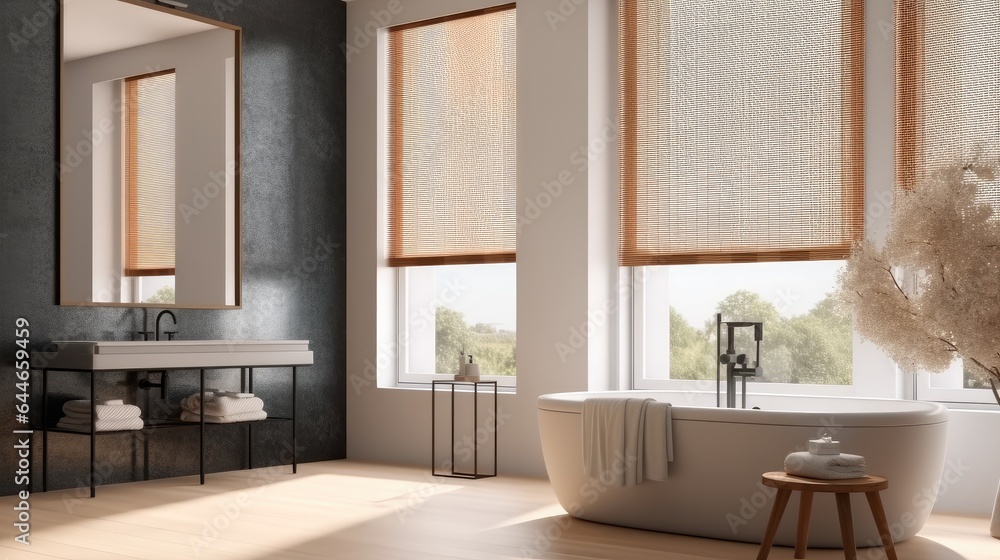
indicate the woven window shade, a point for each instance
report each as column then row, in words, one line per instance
column 947, row 86
column 149, row 174
column 451, row 143
column 742, row 129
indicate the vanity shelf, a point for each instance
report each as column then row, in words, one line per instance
column 159, row 423
column 94, row 358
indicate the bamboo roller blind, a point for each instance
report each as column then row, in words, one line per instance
column 149, row 174
column 451, row 140
column 947, row 86
column 742, row 129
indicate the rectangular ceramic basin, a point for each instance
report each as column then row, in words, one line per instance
column 167, row 354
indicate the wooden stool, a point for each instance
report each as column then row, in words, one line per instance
column 785, row 483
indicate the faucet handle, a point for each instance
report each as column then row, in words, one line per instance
column 144, row 334
column 170, row 334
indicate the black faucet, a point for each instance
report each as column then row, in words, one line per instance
column 170, row 334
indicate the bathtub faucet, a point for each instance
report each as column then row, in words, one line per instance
column 736, row 364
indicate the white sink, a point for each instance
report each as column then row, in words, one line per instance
column 164, row 354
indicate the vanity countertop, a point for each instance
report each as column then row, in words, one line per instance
column 172, row 354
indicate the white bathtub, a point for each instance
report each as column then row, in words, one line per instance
column 714, row 486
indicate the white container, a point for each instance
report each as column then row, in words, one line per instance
column 472, row 370
column 824, row 446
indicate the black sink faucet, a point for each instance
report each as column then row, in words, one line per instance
column 170, row 334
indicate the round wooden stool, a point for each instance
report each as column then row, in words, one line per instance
column 785, row 483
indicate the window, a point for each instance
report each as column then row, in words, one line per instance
column 807, row 338
column 149, row 149
column 947, row 78
column 741, row 166
column 449, row 310
column 452, row 188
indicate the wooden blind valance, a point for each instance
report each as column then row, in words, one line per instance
column 741, row 130
column 451, row 140
column 149, row 124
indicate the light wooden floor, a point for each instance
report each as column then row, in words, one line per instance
column 345, row 509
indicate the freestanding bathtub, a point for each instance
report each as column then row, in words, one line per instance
column 713, row 489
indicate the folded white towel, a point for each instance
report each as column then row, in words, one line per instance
column 224, row 419
column 827, row 467
column 126, row 412
column 234, row 394
column 104, row 411
column 102, row 425
column 216, row 405
column 617, row 448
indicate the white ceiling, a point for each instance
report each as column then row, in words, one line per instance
column 93, row 27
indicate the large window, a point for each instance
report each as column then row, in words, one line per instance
column 947, row 107
column 445, row 311
column 742, row 129
column 452, row 188
column 807, row 339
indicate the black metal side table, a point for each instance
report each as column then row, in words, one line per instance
column 452, row 473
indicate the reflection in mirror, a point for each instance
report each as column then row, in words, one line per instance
column 149, row 158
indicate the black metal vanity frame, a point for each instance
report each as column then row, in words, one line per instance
column 160, row 423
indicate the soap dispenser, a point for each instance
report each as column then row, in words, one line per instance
column 472, row 369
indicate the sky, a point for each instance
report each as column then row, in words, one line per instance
column 793, row 287
column 486, row 292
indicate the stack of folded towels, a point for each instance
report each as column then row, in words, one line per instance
column 223, row 407
column 112, row 416
column 825, row 461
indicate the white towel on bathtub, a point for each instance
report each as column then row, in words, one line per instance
column 827, row 467
column 626, row 441
column 657, row 444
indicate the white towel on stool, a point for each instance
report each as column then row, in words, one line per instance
column 827, row 467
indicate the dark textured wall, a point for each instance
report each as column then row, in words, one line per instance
column 294, row 103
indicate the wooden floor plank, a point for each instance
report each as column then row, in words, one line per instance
column 346, row 509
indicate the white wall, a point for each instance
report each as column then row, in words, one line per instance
column 566, row 268
column 90, row 227
column 972, row 466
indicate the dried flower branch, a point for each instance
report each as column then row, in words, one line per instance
column 945, row 237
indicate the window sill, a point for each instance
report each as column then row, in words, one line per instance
column 980, row 407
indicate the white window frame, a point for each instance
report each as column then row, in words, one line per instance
column 403, row 376
column 924, row 391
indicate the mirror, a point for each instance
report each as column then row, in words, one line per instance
column 149, row 201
